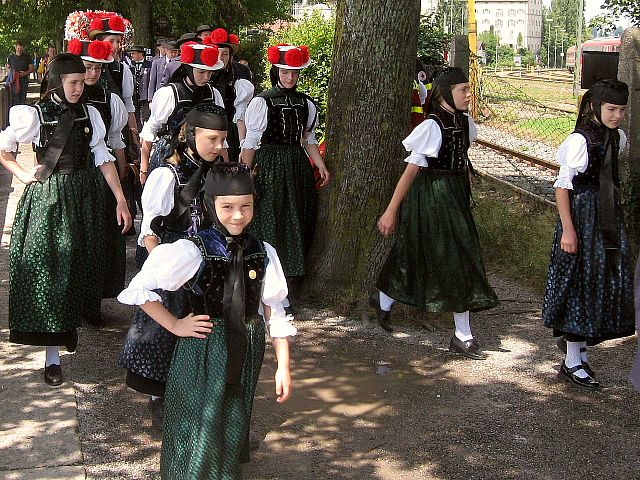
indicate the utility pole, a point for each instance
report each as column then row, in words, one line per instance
column 577, row 71
column 474, row 76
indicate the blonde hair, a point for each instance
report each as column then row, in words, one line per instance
column 175, row 159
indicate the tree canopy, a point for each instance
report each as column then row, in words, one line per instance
column 630, row 8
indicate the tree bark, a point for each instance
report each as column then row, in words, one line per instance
column 629, row 72
column 141, row 20
column 373, row 62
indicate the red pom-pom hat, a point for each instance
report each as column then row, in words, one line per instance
column 222, row 38
column 94, row 51
column 200, row 55
column 108, row 25
column 289, row 56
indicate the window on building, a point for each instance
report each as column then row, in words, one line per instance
column 498, row 23
column 512, row 23
column 499, row 12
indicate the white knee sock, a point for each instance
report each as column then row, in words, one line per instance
column 463, row 327
column 53, row 356
column 154, row 398
column 386, row 302
column 285, row 302
column 574, row 359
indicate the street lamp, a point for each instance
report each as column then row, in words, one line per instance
column 563, row 61
column 555, row 46
column 549, row 21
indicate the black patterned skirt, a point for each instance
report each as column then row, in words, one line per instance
column 115, row 252
column 206, row 427
column 55, row 258
column 590, row 293
column 436, row 263
column 148, row 347
column 285, row 210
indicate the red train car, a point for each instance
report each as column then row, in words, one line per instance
column 600, row 44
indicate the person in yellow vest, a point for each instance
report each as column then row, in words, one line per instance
column 418, row 94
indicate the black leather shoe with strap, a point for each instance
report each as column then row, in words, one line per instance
column 469, row 348
column 53, row 375
column 562, row 345
column 569, row 375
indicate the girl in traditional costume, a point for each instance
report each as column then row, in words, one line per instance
column 280, row 139
column 236, row 91
column 230, row 277
column 96, row 55
column 187, row 87
column 172, row 209
column 56, row 243
column 436, row 264
column 589, row 292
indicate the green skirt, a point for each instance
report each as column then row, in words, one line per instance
column 436, row 263
column 285, row 211
column 55, row 251
column 206, row 428
column 115, row 253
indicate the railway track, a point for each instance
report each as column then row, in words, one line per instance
column 521, row 172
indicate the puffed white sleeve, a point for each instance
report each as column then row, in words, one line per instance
column 161, row 109
column 573, row 157
column 168, row 267
column 312, row 122
column 274, row 291
column 119, row 117
column 157, row 199
column 623, row 140
column 473, row 130
column 127, row 89
column 24, row 127
column 255, row 119
column 244, row 93
column 98, row 147
column 423, row 142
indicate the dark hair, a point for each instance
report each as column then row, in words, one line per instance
column 19, row 42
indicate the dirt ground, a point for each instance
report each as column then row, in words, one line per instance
column 372, row 405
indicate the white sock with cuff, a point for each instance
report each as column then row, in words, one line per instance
column 463, row 326
column 53, row 356
column 386, row 302
column 574, row 358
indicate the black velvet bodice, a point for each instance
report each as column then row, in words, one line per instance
column 99, row 98
column 287, row 117
column 453, row 151
column 206, row 289
column 76, row 153
column 185, row 97
column 595, row 136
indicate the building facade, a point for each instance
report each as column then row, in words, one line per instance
column 517, row 23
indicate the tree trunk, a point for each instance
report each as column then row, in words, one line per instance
column 629, row 72
column 368, row 116
column 141, row 20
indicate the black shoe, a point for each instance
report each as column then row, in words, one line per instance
column 156, row 407
column 53, row 375
column 384, row 318
column 289, row 310
column 469, row 348
column 568, row 375
column 562, row 345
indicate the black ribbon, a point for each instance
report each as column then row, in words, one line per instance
column 233, row 311
column 55, row 144
column 606, row 201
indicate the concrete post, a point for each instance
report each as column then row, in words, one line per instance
column 629, row 72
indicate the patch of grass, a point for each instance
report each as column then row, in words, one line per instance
column 515, row 233
column 546, row 93
column 554, row 130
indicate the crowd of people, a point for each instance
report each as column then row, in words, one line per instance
column 225, row 182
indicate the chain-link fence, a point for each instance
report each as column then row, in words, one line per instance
column 509, row 116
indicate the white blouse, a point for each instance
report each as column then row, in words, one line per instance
column 573, row 157
column 426, row 139
column 164, row 104
column 24, row 127
column 256, row 122
column 171, row 265
column 119, row 118
column 127, row 89
column 244, row 93
column 157, row 199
